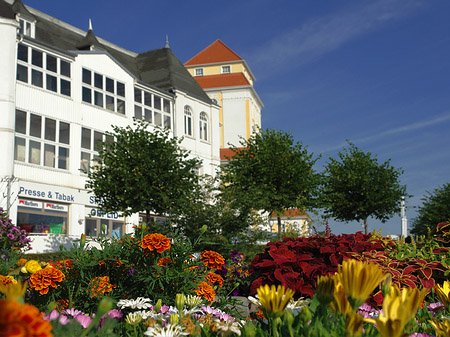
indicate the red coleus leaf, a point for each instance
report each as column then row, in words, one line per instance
column 427, row 283
column 427, row 272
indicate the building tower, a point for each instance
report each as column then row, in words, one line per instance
column 228, row 81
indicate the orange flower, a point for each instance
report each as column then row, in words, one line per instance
column 214, row 278
column 212, row 259
column 158, row 242
column 205, row 290
column 164, row 261
column 260, row 314
column 5, row 280
column 22, row 320
column 44, row 278
column 21, row 262
column 62, row 304
column 64, row 264
column 100, row 285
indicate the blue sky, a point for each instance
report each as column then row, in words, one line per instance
column 374, row 72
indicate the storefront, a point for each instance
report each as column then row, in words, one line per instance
column 42, row 217
column 96, row 222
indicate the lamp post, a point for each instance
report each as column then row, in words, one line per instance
column 404, row 220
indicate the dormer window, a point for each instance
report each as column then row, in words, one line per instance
column 198, row 72
column 26, row 27
column 226, row 69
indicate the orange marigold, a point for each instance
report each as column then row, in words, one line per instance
column 65, row 264
column 5, row 280
column 164, row 261
column 22, row 320
column 214, row 278
column 206, row 290
column 62, row 304
column 21, row 262
column 212, row 259
column 44, row 278
column 100, row 285
column 158, row 242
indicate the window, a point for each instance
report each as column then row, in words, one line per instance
column 41, row 140
column 91, row 141
column 152, row 108
column 103, row 91
column 42, row 217
column 26, row 27
column 187, row 120
column 198, row 72
column 111, row 228
column 226, row 69
column 203, row 126
column 43, row 70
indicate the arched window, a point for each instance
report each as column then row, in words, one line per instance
column 187, row 120
column 203, row 126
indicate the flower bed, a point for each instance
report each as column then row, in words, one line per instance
column 147, row 284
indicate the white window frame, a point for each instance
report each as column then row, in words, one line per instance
column 224, row 71
column 188, row 121
column 26, row 27
column 199, row 72
column 43, row 69
column 23, row 153
column 203, row 126
column 118, row 100
column 89, row 155
column 145, row 103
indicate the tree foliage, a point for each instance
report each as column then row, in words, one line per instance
column 141, row 171
column 435, row 209
column 357, row 187
column 270, row 172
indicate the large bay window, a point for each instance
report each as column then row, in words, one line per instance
column 152, row 108
column 41, row 140
column 43, row 70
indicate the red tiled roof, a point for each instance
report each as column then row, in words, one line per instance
column 216, row 52
column 227, row 153
column 290, row 213
column 222, row 80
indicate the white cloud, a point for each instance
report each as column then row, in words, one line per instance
column 325, row 34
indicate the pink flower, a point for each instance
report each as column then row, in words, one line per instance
column 84, row 320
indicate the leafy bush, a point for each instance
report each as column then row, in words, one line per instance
column 296, row 263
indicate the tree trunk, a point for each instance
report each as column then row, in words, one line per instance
column 279, row 227
column 365, row 226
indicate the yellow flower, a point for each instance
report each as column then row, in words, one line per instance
column 354, row 323
column 443, row 293
column 442, row 329
column 274, row 300
column 359, row 280
column 14, row 291
column 340, row 303
column 325, row 289
column 399, row 307
column 31, row 267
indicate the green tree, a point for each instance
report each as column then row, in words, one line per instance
column 435, row 209
column 357, row 187
column 270, row 172
column 142, row 171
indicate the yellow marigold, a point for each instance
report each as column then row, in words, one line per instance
column 22, row 320
column 5, row 280
column 31, row 267
column 100, row 285
column 164, row 261
column 44, row 278
column 205, row 290
column 212, row 259
column 214, row 278
column 158, row 242
column 21, row 262
column 274, row 298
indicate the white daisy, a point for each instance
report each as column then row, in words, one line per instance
column 168, row 331
column 138, row 303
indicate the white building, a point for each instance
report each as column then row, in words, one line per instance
column 61, row 89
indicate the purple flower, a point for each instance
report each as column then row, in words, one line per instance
column 73, row 312
column 114, row 313
column 164, row 309
column 52, row 316
column 131, row 271
column 10, row 236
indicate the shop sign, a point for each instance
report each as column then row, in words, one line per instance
column 56, row 207
column 30, row 203
column 53, row 195
column 97, row 213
